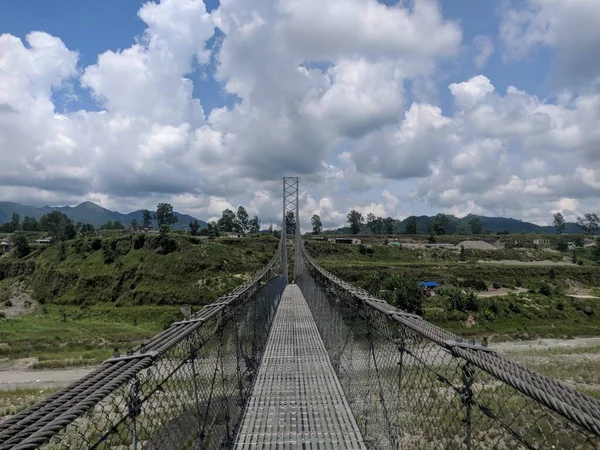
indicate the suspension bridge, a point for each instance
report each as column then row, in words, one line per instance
column 302, row 359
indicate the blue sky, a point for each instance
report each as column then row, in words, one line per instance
column 365, row 125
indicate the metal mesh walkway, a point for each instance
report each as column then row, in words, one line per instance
column 297, row 401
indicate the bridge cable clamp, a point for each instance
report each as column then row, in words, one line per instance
column 151, row 354
column 451, row 344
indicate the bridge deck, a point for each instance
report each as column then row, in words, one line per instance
column 297, row 401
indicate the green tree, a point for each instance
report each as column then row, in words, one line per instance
column 30, row 224
column 411, row 225
column 134, row 224
column 559, row 223
column 87, row 229
column 463, row 253
column 579, row 242
column 404, row 293
column 431, row 239
column 316, row 223
column 254, row 225
column 590, row 223
column 107, row 226
column 242, row 219
column 58, row 226
column 372, row 223
column 290, row 223
column 475, row 225
column 441, row 222
column 228, row 222
column 194, row 227
column 165, row 215
column 21, row 245
column 14, row 222
column 355, row 219
column 146, row 218
column 117, row 225
column 562, row 246
column 389, row 227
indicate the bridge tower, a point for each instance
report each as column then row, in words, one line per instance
column 290, row 204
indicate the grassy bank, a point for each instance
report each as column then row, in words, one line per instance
column 88, row 296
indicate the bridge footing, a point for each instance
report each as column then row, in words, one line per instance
column 297, row 400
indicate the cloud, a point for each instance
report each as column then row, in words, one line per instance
column 341, row 94
column 569, row 27
column 483, row 46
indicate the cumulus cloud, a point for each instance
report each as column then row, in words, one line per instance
column 340, row 93
column 570, row 27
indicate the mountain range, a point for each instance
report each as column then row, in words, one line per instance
column 86, row 212
column 460, row 225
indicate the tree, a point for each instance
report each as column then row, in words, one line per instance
column 411, row 225
column 228, row 221
column 372, row 223
column 21, row 245
column 559, row 223
column 254, row 225
column 58, row 225
column 117, row 225
column 562, row 246
column 590, row 223
column 164, row 214
column 290, row 223
column 475, row 225
column 107, row 226
column 316, row 223
column 242, row 219
column 389, row 227
column 440, row 224
column 194, row 227
column 579, row 242
column 146, row 218
column 270, row 229
column 134, row 224
column 14, row 222
column 431, row 239
column 30, row 224
column 87, row 229
column 355, row 219
column 463, row 253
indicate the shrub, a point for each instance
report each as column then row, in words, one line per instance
column 8, row 303
column 546, row 289
column 96, row 245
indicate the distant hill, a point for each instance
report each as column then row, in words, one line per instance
column 460, row 225
column 86, row 212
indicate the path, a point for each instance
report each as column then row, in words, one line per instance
column 297, row 401
column 37, row 379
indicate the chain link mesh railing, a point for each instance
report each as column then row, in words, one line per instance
column 411, row 384
column 184, row 388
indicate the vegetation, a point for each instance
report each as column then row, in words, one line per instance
column 533, row 302
column 317, row 225
column 97, row 293
column 355, row 219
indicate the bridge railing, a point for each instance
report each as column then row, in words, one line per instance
column 412, row 384
column 184, row 388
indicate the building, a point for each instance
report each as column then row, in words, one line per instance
column 544, row 242
column 235, row 235
column 429, row 287
column 4, row 246
column 319, row 238
column 44, row 241
column 352, row 241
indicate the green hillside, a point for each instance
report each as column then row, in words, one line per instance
column 89, row 295
column 86, row 212
column 460, row 225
